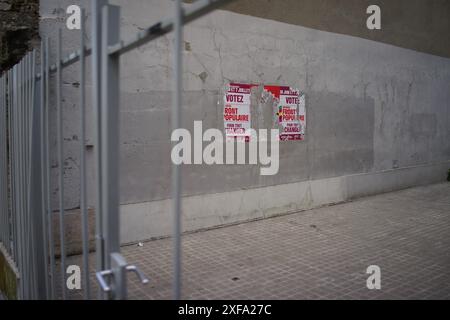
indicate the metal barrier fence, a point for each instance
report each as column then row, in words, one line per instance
column 25, row 184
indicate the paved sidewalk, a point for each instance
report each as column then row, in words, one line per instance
column 316, row 254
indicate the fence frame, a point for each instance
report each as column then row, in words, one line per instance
column 25, row 205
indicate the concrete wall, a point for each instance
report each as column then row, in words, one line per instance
column 420, row 25
column 378, row 117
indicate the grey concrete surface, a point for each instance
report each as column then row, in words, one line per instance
column 371, row 107
column 316, row 254
column 209, row 210
column 415, row 24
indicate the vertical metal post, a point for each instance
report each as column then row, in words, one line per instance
column 4, row 168
column 11, row 170
column 2, row 150
column 25, row 174
column 43, row 169
column 176, row 179
column 2, row 153
column 6, row 239
column 115, row 265
column 4, row 234
column 30, row 194
column 4, row 159
column 20, row 173
column 109, row 116
column 36, row 247
column 2, row 214
column 23, row 143
column 34, row 186
column 60, row 164
column 110, row 131
column 2, row 218
column 16, row 176
column 7, row 157
column 14, row 160
column 13, row 163
column 83, row 202
column 21, row 191
column 48, row 169
column 97, row 5
column 9, row 192
column 26, row 105
column 28, row 229
column 21, row 155
column 28, row 223
column 8, row 162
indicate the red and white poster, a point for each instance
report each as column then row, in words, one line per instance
column 236, row 111
column 290, row 112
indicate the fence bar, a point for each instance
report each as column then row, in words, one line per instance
column 7, row 150
column 24, row 145
column 2, row 213
column 4, row 165
column 11, row 175
column 37, row 239
column 10, row 199
column 30, row 224
column 38, row 242
column 176, row 120
column 3, row 157
column 83, row 202
column 43, row 170
column 4, row 227
column 15, row 164
column 97, row 5
column 22, row 173
column 110, row 132
column 60, row 165
column 2, row 154
column 47, row 172
column 24, row 193
column 9, row 193
column 20, row 120
column 16, row 172
column 5, row 201
column 30, row 220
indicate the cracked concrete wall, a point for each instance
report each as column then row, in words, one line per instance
column 370, row 106
column 19, row 24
